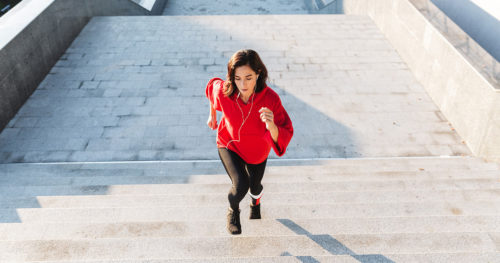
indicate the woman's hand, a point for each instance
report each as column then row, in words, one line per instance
column 267, row 116
column 212, row 119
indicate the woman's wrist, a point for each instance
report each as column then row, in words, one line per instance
column 273, row 129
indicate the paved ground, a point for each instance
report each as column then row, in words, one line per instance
column 133, row 89
column 231, row 7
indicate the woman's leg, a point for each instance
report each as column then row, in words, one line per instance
column 256, row 173
column 235, row 168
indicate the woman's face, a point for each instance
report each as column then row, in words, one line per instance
column 245, row 79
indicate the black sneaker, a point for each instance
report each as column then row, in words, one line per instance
column 255, row 211
column 233, row 222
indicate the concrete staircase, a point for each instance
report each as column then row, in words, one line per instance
column 367, row 179
column 340, row 210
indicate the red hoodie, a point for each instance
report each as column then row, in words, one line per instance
column 254, row 141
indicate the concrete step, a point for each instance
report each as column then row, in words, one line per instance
column 332, row 166
column 301, row 244
column 355, row 258
column 271, row 171
column 275, row 187
column 263, row 227
column 195, row 199
column 354, row 165
column 282, row 173
column 114, row 179
column 311, row 209
column 159, row 213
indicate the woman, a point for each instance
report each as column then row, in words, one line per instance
column 253, row 121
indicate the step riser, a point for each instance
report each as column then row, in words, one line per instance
column 263, row 227
column 334, row 166
column 269, row 211
column 283, row 173
column 302, row 245
column 207, row 179
column 196, row 200
column 407, row 258
column 217, row 168
column 97, row 189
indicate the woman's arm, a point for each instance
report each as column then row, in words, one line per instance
column 274, row 132
column 212, row 118
column 267, row 116
column 280, row 127
column 212, row 91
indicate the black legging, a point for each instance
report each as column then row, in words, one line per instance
column 243, row 176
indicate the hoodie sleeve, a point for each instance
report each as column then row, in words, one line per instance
column 214, row 91
column 285, row 129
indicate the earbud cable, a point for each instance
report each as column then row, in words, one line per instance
column 243, row 118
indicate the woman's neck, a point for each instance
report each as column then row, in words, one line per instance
column 245, row 99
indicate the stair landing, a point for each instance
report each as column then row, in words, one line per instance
column 132, row 88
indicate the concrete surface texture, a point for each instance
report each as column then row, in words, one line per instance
column 132, row 88
column 465, row 96
column 155, row 7
column 430, row 209
column 225, row 7
column 34, row 36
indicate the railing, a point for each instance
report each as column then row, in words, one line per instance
column 7, row 5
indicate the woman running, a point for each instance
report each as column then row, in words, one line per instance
column 253, row 121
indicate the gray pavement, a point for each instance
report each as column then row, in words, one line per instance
column 231, row 7
column 132, row 88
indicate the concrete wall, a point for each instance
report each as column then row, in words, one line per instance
column 35, row 33
column 467, row 98
column 480, row 24
column 324, row 6
column 155, row 7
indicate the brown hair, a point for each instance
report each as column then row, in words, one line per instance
column 241, row 58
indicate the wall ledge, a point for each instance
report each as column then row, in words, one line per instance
column 476, row 55
column 19, row 17
column 35, row 33
column 458, row 74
